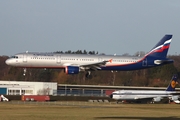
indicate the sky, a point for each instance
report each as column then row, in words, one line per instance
column 106, row 26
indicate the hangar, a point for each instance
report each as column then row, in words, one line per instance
column 27, row 88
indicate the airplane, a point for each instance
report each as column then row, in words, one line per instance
column 74, row 63
column 3, row 98
column 148, row 95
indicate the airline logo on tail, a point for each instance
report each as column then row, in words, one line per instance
column 173, row 84
column 161, row 48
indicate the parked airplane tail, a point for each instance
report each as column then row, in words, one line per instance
column 161, row 48
column 173, row 83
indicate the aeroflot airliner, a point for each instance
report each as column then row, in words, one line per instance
column 74, row 63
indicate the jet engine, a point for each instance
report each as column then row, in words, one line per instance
column 174, row 98
column 72, row 70
column 157, row 99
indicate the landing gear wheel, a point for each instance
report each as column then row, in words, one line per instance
column 88, row 74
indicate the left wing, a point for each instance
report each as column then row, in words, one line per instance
column 94, row 66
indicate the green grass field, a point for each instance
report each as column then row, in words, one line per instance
column 88, row 111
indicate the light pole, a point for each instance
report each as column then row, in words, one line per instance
column 114, row 76
column 65, row 89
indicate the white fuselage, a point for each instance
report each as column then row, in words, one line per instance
column 38, row 60
column 140, row 94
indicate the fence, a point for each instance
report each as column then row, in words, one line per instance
column 79, row 92
column 63, row 103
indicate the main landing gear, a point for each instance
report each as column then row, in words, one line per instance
column 88, row 74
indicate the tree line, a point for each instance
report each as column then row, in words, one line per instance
column 156, row 76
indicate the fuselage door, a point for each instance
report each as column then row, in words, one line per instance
column 25, row 57
column 58, row 59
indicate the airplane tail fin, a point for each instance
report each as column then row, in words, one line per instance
column 160, row 50
column 173, row 83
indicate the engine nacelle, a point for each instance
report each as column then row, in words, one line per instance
column 174, row 98
column 72, row 70
column 157, row 99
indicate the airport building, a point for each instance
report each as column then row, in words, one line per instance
column 27, row 88
column 52, row 88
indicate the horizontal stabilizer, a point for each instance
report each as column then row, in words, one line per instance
column 158, row 62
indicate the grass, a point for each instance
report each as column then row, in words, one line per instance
column 88, row 111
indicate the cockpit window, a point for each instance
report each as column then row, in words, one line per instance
column 14, row 57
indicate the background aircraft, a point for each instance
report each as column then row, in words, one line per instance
column 148, row 95
column 74, row 63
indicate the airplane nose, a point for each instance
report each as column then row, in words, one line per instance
column 111, row 96
column 7, row 62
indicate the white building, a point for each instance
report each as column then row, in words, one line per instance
column 27, row 88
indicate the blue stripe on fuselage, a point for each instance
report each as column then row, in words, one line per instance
column 147, row 62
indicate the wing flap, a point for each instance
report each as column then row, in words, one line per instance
column 94, row 66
